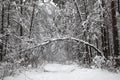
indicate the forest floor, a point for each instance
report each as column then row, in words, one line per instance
column 64, row 72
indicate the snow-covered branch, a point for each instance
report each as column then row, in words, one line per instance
column 66, row 38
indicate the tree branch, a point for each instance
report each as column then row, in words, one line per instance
column 66, row 38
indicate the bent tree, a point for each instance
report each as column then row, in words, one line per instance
column 64, row 39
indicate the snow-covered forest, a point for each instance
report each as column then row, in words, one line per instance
column 59, row 39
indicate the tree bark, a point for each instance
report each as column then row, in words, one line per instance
column 115, row 30
column 85, row 7
column 78, row 11
column 104, row 41
column 2, row 31
column 8, row 25
column 32, row 19
column 87, row 48
column 105, row 35
column 119, row 6
column 21, row 11
column 2, row 22
column 115, row 34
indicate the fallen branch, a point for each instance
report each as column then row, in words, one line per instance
column 66, row 38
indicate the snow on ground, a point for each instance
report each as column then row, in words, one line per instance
column 59, row 68
column 65, row 72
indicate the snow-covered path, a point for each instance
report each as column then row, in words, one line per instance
column 65, row 72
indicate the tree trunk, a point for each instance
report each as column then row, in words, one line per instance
column 104, row 41
column 119, row 6
column 78, row 11
column 2, row 31
column 90, row 52
column 8, row 25
column 8, row 16
column 115, row 33
column 21, row 11
column 115, row 30
column 2, row 22
column 85, row 7
column 32, row 19
column 86, row 34
column 108, row 41
column 105, row 35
